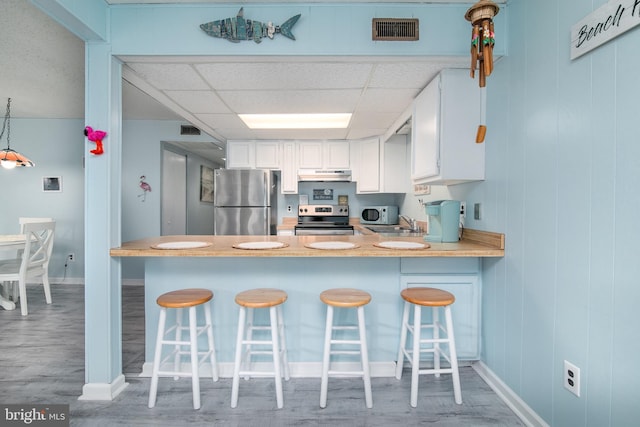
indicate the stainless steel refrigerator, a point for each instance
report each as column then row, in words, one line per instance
column 245, row 202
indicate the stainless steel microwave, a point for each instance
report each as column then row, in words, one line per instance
column 382, row 215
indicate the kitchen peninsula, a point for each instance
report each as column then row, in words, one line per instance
column 222, row 265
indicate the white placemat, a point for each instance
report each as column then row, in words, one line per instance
column 260, row 245
column 331, row 245
column 181, row 245
column 400, row 244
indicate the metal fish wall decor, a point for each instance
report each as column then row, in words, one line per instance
column 238, row 28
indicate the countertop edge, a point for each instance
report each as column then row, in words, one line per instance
column 475, row 243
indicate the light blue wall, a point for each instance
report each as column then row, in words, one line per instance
column 142, row 152
column 562, row 173
column 57, row 148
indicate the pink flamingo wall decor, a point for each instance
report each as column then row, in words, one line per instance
column 145, row 188
column 96, row 136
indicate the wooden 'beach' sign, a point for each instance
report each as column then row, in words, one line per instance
column 603, row 24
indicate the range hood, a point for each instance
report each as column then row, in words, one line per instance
column 343, row 175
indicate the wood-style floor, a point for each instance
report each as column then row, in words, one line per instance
column 42, row 362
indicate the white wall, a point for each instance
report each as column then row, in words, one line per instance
column 562, row 173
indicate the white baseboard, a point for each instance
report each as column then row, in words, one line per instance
column 513, row 401
column 296, row 369
column 103, row 391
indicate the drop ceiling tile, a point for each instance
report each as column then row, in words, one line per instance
column 372, row 120
column 198, row 101
column 387, row 100
column 236, row 133
column 219, row 121
column 170, row 76
column 401, row 75
column 291, row 101
column 287, row 75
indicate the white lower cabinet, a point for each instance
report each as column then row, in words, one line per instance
column 465, row 310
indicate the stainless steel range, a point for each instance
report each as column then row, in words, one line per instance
column 323, row 220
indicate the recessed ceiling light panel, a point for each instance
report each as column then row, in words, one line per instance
column 296, row 121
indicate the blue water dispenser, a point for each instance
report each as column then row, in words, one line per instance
column 444, row 221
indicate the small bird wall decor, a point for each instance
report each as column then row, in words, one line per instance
column 145, row 188
column 95, row 136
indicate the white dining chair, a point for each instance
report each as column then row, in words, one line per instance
column 10, row 289
column 34, row 261
column 24, row 220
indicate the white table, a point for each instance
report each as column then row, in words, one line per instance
column 10, row 242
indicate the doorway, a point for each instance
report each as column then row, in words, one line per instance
column 173, row 212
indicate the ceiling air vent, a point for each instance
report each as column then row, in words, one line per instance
column 394, row 29
column 189, row 130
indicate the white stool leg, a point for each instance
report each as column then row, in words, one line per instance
column 156, row 359
column 273, row 315
column 454, row 356
column 365, row 358
column 283, row 344
column 195, row 376
column 248, row 332
column 415, row 356
column 238, row 358
column 178, row 357
column 436, row 336
column 403, row 340
column 212, row 347
column 326, row 357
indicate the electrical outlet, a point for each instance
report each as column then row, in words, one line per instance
column 289, row 208
column 476, row 211
column 463, row 209
column 572, row 378
column 71, row 257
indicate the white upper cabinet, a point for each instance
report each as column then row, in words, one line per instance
column 324, row 155
column 367, row 170
column 380, row 167
column 268, row 155
column 445, row 120
column 289, row 168
column 241, row 155
column 253, row 155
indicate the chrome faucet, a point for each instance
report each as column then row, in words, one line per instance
column 413, row 224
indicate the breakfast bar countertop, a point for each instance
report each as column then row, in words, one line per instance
column 474, row 243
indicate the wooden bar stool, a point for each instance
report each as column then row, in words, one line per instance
column 179, row 300
column 276, row 346
column 436, row 299
column 345, row 298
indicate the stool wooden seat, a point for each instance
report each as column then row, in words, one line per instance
column 249, row 301
column 183, row 299
column 436, row 299
column 345, row 298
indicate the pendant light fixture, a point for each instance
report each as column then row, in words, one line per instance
column 9, row 158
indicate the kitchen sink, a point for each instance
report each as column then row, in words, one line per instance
column 401, row 233
column 394, row 231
